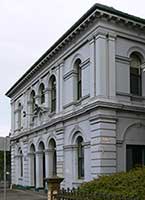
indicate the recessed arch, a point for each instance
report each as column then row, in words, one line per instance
column 32, row 148
column 77, row 56
column 76, row 131
column 40, row 139
column 138, row 50
column 41, row 146
column 131, row 125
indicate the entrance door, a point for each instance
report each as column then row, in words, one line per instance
column 135, row 156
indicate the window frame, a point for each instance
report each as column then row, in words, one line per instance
column 53, row 93
column 42, row 93
column 80, row 158
column 135, row 75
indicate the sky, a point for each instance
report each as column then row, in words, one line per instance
column 29, row 27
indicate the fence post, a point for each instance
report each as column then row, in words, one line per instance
column 53, row 186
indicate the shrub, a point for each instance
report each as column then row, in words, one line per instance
column 128, row 184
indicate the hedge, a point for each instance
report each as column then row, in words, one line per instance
column 127, row 184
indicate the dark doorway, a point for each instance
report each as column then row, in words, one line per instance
column 135, row 156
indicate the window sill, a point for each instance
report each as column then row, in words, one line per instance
column 51, row 114
column 136, row 97
column 78, row 102
column 132, row 96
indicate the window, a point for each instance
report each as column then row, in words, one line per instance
column 135, row 75
column 79, row 78
column 20, row 163
column 135, row 156
column 42, row 93
column 19, row 115
column 80, row 157
column 33, row 101
column 53, row 93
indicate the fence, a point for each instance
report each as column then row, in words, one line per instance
column 78, row 195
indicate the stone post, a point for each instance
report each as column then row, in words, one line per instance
column 53, row 186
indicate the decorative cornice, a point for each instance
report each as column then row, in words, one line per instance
column 98, row 11
column 87, row 108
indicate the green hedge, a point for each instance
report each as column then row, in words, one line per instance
column 129, row 184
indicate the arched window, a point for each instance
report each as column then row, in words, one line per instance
column 19, row 115
column 42, row 93
column 32, row 101
column 79, row 78
column 80, row 157
column 135, row 74
column 53, row 93
column 20, row 162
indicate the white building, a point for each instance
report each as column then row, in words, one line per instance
column 79, row 111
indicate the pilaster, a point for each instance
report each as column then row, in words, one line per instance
column 92, row 67
column 103, row 144
column 111, row 66
column 101, row 64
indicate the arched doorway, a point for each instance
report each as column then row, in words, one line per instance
column 32, row 165
column 41, row 149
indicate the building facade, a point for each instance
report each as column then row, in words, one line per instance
column 79, row 111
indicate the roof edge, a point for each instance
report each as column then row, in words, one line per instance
column 96, row 6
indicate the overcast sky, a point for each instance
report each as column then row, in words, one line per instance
column 29, row 27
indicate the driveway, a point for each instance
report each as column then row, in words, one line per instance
column 23, row 195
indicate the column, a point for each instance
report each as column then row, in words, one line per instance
column 39, row 169
column 47, row 163
column 50, row 162
column 31, row 169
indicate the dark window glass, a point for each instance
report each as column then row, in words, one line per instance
column 79, row 83
column 78, row 79
column 135, row 75
column 33, row 100
column 135, row 156
column 53, row 94
column 42, row 93
column 19, row 115
column 80, row 153
column 21, row 163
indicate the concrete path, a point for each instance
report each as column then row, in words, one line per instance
column 23, row 195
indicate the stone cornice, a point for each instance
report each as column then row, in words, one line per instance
column 98, row 12
column 87, row 108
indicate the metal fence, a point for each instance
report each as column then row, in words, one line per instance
column 78, row 195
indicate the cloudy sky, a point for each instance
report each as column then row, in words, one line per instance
column 29, row 27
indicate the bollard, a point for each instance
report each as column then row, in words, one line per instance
column 53, row 186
